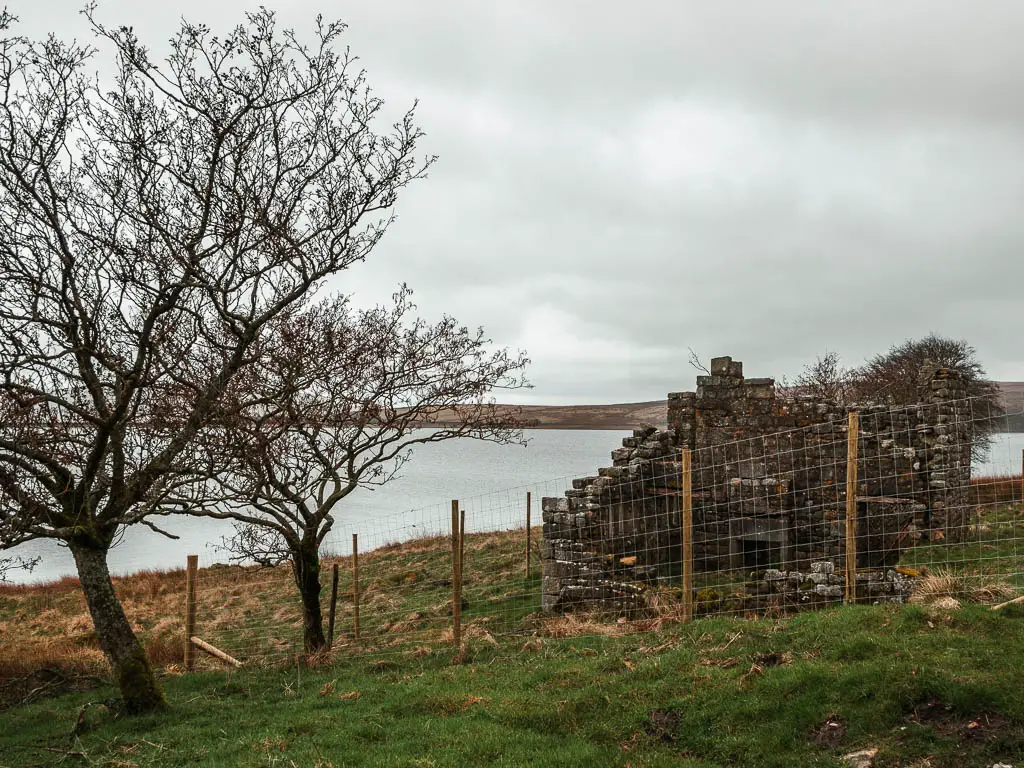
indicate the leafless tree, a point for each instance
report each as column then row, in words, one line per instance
column 826, row 379
column 151, row 227
column 335, row 401
column 895, row 377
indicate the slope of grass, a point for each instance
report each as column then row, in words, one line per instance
column 922, row 687
column 254, row 613
column 925, row 686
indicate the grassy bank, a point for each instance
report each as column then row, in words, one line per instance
column 254, row 614
column 924, row 687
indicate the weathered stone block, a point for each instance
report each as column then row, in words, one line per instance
column 554, row 504
column 720, row 366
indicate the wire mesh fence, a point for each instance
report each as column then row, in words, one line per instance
column 850, row 509
column 406, row 581
column 759, row 523
column 878, row 505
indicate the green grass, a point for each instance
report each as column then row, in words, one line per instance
column 927, row 688
column 718, row 692
column 405, row 596
column 993, row 546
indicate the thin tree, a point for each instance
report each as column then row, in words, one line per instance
column 151, row 227
column 335, row 402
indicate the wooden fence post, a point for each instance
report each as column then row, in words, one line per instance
column 852, row 439
column 456, row 576
column 462, row 543
column 191, row 571
column 334, row 605
column 355, row 584
column 686, row 515
column 527, row 534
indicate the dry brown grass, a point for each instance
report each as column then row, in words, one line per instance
column 475, row 630
column 664, row 604
column 663, row 608
column 574, row 625
column 942, row 584
column 251, row 613
column 996, row 489
column 62, row 654
column 48, row 625
column 56, row 587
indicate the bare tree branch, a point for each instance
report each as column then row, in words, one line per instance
column 695, row 362
column 8, row 564
column 337, row 400
column 152, row 227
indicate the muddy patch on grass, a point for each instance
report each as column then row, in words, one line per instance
column 830, row 733
column 771, row 659
column 662, row 724
column 936, row 714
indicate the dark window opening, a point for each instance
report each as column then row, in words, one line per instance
column 758, row 555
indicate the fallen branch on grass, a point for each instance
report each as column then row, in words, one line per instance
column 1008, row 602
column 217, row 653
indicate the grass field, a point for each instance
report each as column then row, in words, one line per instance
column 254, row 613
column 924, row 685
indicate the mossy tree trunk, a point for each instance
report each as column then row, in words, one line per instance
column 306, row 569
column 132, row 672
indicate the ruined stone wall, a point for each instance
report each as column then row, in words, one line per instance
column 821, row 586
column 769, row 477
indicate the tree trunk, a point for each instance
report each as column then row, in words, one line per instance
column 127, row 658
column 306, row 566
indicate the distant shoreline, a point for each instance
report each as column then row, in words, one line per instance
column 628, row 416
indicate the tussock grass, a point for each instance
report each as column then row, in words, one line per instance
column 945, row 583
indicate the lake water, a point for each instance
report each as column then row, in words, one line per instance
column 490, row 480
column 1005, row 456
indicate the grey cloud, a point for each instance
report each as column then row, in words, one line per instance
column 618, row 183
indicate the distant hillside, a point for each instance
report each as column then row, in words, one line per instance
column 613, row 416
column 626, row 416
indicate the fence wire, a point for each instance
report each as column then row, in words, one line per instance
column 779, row 524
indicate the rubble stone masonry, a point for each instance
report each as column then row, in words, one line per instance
column 769, row 491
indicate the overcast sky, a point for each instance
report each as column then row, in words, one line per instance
column 618, row 182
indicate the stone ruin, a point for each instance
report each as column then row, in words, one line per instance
column 769, row 497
